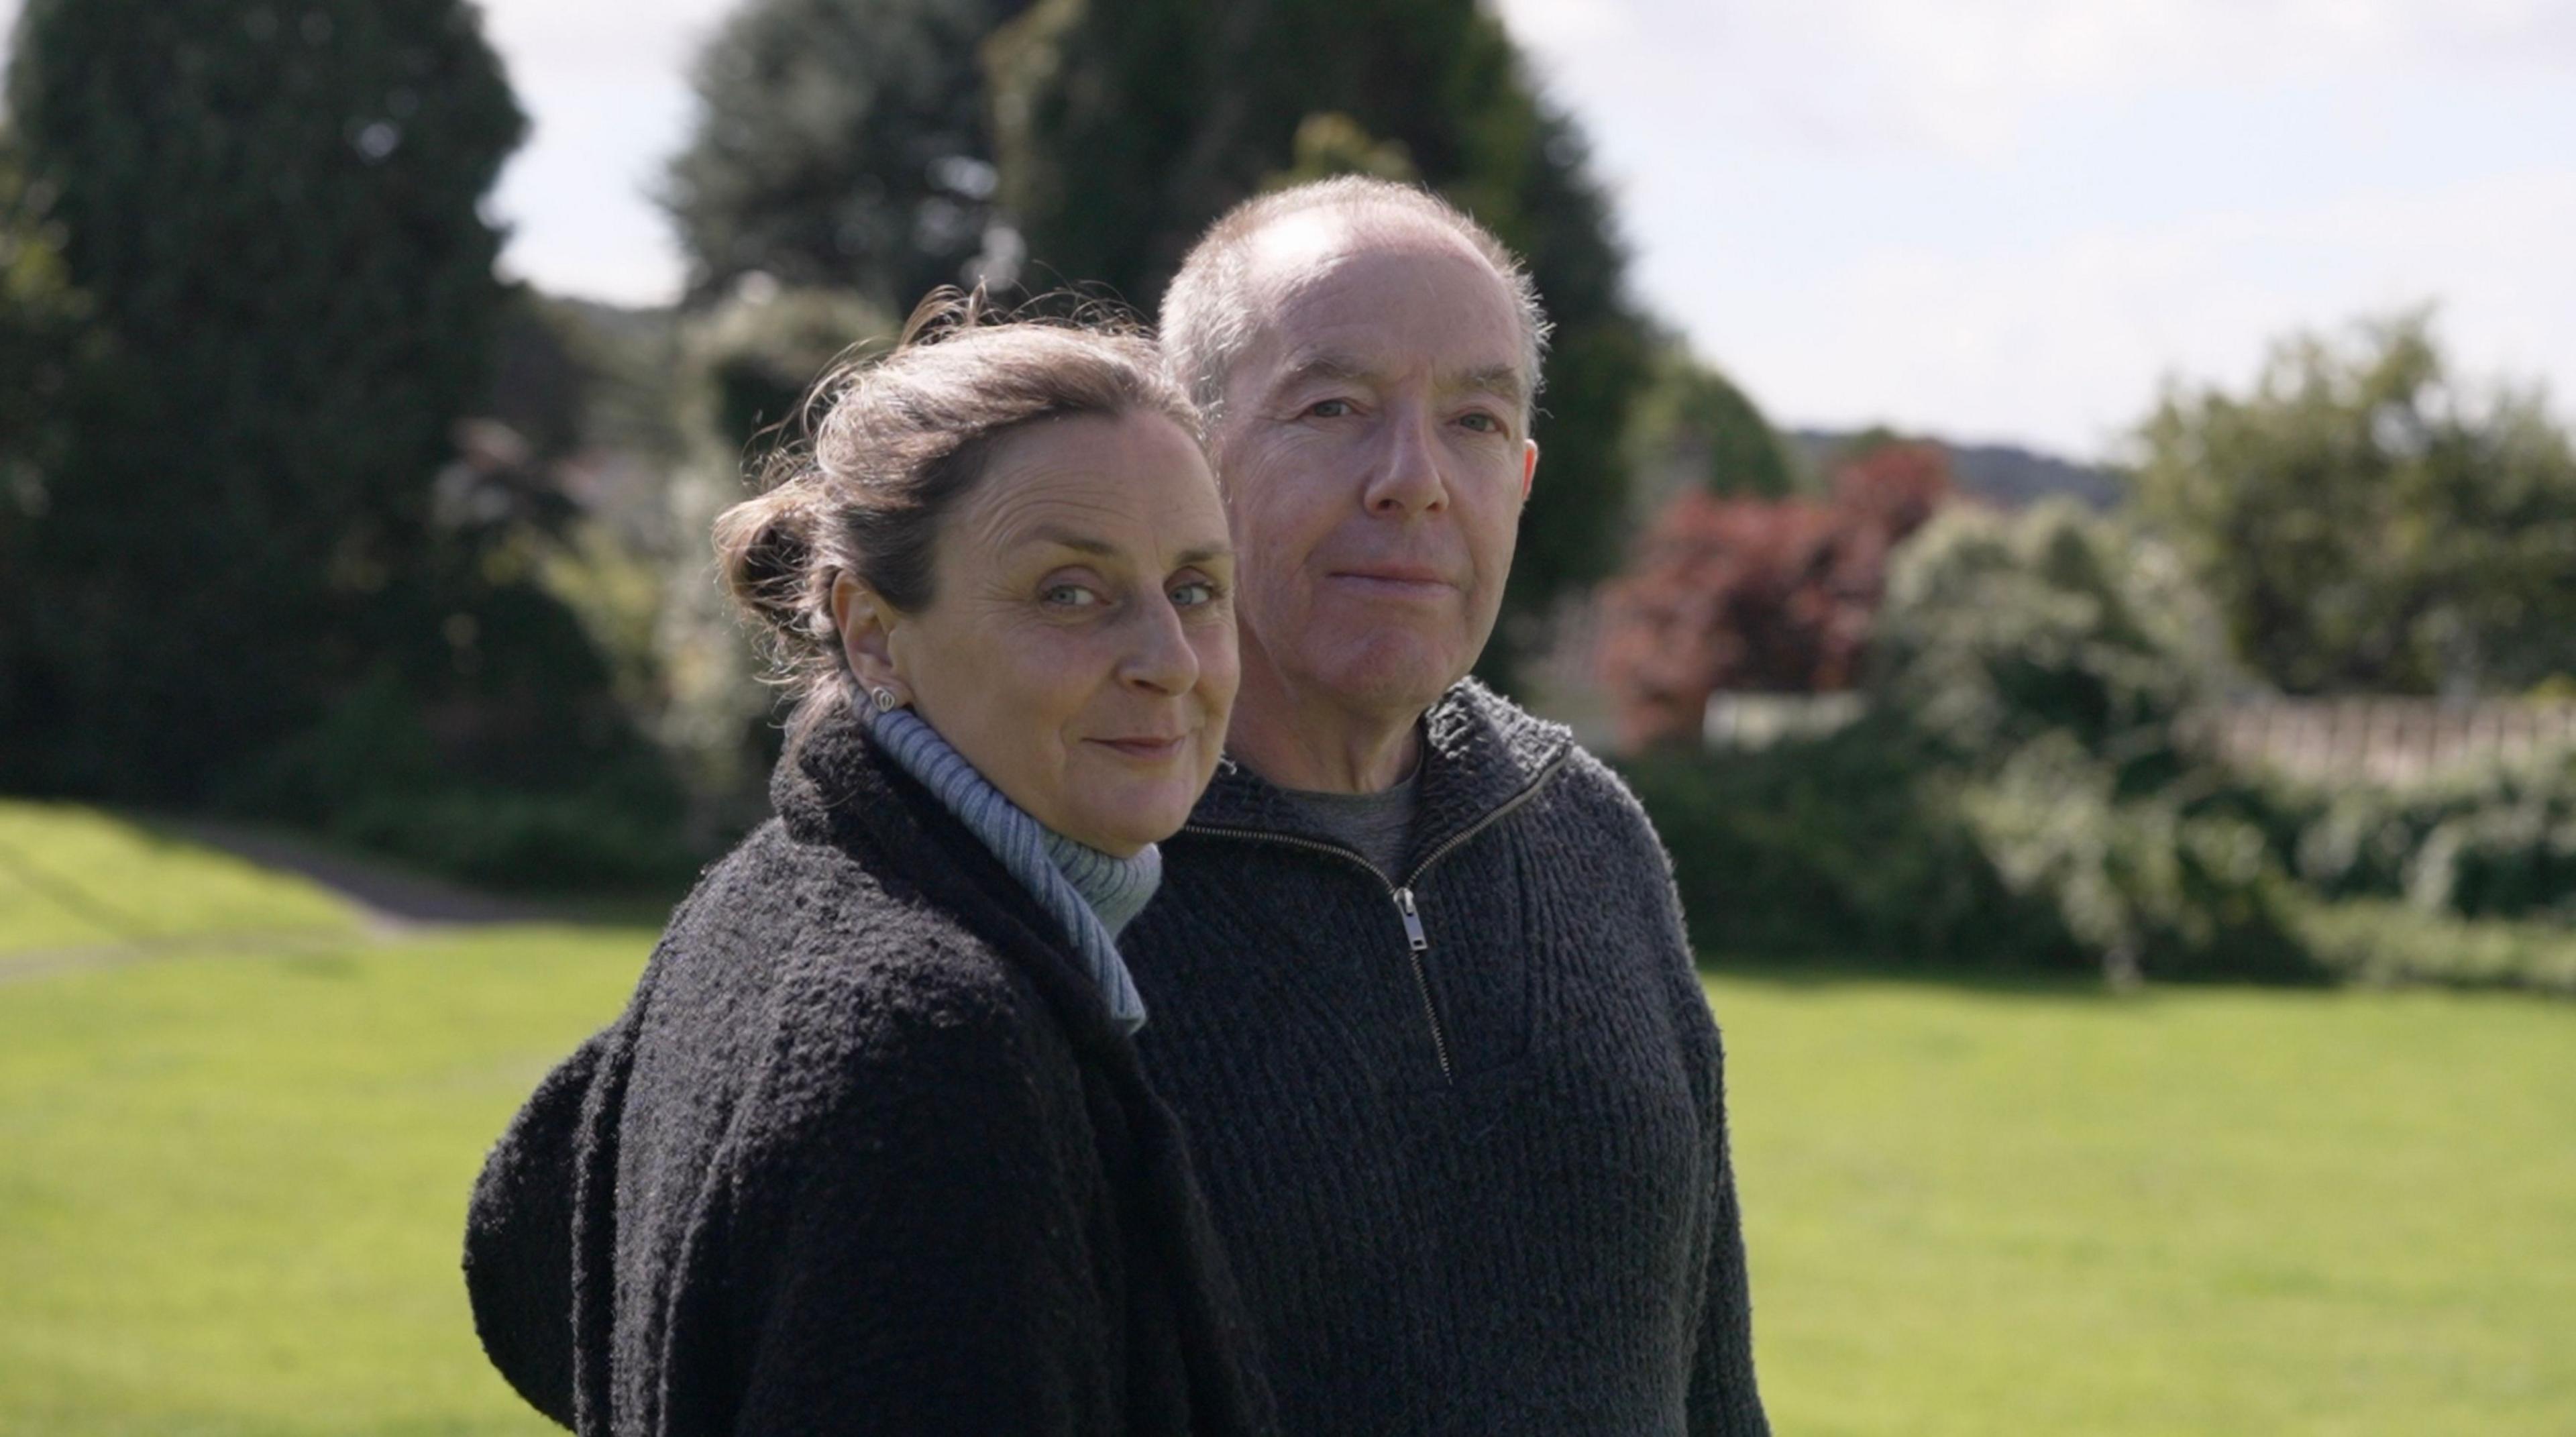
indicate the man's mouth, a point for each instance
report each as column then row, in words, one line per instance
column 1395, row 581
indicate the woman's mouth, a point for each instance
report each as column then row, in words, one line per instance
column 1145, row 750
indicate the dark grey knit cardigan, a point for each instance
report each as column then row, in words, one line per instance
column 1462, row 1126
column 863, row 1155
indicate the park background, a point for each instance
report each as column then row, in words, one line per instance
column 2059, row 511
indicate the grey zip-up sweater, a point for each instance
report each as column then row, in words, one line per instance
column 1463, row 1126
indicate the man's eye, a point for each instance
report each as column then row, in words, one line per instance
column 1328, row 409
column 1068, row 596
column 1193, row 594
column 1482, row 423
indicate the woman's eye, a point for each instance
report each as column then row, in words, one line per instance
column 1193, row 594
column 1482, row 423
column 1328, row 409
column 1068, row 596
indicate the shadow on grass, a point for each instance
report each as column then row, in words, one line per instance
column 2043, row 984
column 393, row 897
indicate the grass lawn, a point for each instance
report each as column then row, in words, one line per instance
column 2205, row 1211
column 231, row 1186
column 232, row 1189
column 73, row 877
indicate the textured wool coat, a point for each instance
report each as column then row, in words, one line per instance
column 1463, row 1126
column 863, row 1155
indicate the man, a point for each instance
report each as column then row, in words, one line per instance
column 1417, row 973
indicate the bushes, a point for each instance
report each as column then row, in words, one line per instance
column 2492, row 842
column 1828, row 845
column 2016, row 797
column 1872, row 840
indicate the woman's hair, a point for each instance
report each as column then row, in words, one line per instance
column 891, row 445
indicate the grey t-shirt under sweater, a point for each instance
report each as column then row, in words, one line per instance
column 1377, row 824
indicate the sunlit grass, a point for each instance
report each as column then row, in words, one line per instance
column 72, row 877
column 231, row 1185
column 2192, row 1211
column 232, row 1189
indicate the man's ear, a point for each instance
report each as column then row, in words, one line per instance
column 866, row 625
column 1529, row 466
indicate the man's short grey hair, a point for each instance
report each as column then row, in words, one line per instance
column 1208, row 315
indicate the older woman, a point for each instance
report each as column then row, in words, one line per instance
column 869, row 1149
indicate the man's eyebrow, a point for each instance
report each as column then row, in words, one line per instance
column 1501, row 380
column 1203, row 553
column 1325, row 365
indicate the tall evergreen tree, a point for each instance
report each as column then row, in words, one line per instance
column 1123, row 129
column 840, row 144
column 273, row 213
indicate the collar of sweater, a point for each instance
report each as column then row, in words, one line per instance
column 1090, row 893
column 838, row 787
column 1480, row 751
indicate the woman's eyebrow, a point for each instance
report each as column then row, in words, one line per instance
column 1202, row 554
column 1073, row 539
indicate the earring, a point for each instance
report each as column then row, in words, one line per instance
column 883, row 698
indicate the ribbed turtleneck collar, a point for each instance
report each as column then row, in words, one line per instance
column 1091, row 893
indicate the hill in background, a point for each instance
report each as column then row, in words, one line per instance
column 2004, row 475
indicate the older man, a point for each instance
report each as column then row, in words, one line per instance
column 1417, row 972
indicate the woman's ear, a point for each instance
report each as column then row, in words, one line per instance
column 866, row 624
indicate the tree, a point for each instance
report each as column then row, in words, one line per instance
column 745, row 367
column 2366, row 522
column 840, row 144
column 1773, row 595
column 272, row 213
column 2001, row 630
column 1692, row 428
column 1123, row 130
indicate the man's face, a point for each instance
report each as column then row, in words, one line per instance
column 1375, row 454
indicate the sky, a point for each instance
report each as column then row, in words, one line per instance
column 2002, row 220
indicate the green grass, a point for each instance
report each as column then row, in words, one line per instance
column 231, row 1184
column 2202, row 1211
column 76, row 878
column 232, row 1189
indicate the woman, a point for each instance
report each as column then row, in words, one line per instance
column 869, row 1149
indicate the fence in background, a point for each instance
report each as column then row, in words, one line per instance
column 2371, row 740
column 2381, row 740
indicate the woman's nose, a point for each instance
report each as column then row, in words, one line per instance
column 1160, row 656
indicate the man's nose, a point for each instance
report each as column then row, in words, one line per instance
column 1407, row 478
column 1159, row 655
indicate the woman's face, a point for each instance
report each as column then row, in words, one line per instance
column 1078, row 647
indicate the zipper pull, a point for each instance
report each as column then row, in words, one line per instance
column 1412, row 921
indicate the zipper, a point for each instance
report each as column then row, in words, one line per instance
column 1417, row 940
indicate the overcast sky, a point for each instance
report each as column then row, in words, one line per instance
column 1991, row 219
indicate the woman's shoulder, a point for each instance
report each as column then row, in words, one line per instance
column 813, row 957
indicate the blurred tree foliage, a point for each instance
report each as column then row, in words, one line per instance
column 747, row 364
column 1692, row 428
column 1999, row 631
column 1123, row 129
column 2368, row 523
column 841, row 144
column 269, row 574
column 1766, row 595
column 42, row 341
column 2015, row 794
